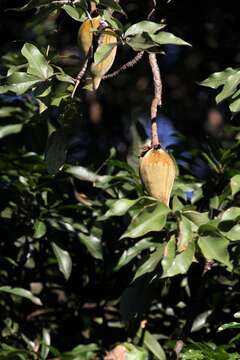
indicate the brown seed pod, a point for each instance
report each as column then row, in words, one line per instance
column 158, row 171
column 100, row 69
column 85, row 34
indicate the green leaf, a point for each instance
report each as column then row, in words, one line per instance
column 215, row 247
column 169, row 254
column 38, row 65
column 185, row 234
column 140, row 42
column 135, row 352
column 129, row 254
column 39, row 229
column 77, row 13
column 143, row 26
column 21, row 292
column 56, row 151
column 84, row 174
column 164, row 38
column 181, row 262
column 46, row 342
column 232, row 213
column 19, row 83
column 10, row 130
column 113, row 5
column 103, row 50
column 235, row 184
column 153, row 345
column 151, row 264
column 233, row 234
column 218, row 78
column 235, row 106
column 93, row 244
column 231, row 325
column 119, row 208
column 64, row 260
column 230, row 86
column 150, row 218
column 196, row 217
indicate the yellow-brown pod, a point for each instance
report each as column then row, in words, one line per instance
column 100, row 69
column 158, row 171
column 85, row 34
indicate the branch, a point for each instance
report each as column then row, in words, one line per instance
column 157, row 100
column 80, row 76
column 126, row 66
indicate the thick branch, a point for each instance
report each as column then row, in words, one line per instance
column 126, row 66
column 157, row 100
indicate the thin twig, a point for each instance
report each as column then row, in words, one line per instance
column 80, row 76
column 126, row 66
column 157, row 100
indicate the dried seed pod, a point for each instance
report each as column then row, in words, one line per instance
column 158, row 171
column 85, row 34
column 100, row 69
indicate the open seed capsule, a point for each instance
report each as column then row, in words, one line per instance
column 158, row 171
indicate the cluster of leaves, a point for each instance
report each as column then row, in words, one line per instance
column 228, row 80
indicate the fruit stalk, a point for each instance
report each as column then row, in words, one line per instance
column 157, row 99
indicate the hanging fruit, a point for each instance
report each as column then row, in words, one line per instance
column 158, row 171
column 108, row 40
column 85, row 34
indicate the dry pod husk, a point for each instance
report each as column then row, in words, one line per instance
column 100, row 69
column 85, row 34
column 158, row 171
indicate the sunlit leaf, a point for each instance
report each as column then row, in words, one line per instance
column 21, row 292
column 150, row 218
column 38, row 65
column 64, row 260
column 215, row 247
column 151, row 264
column 181, row 262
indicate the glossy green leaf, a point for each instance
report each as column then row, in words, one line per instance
column 21, row 292
column 10, row 130
column 143, row 26
column 185, row 234
column 231, row 214
column 232, row 325
column 169, row 254
column 140, row 42
column 230, row 86
column 234, row 233
column 235, row 184
column 215, row 247
column 151, row 264
column 119, row 208
column 64, row 260
column 196, row 217
column 39, row 229
column 181, row 262
column 235, row 106
column 38, row 65
column 77, row 13
column 153, row 345
column 19, row 83
column 93, row 244
column 218, row 78
column 150, row 218
column 129, row 254
column 46, row 342
column 164, row 37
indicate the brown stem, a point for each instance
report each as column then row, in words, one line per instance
column 79, row 76
column 126, row 66
column 157, row 100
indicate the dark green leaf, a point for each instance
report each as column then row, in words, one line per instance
column 215, row 247
column 77, row 13
column 181, row 262
column 151, row 264
column 93, row 244
column 164, row 38
column 150, row 218
column 38, row 65
column 21, row 292
column 218, row 78
column 64, row 260
column 153, row 345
